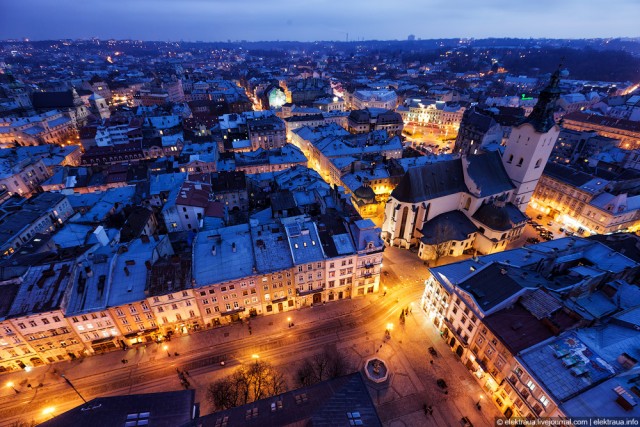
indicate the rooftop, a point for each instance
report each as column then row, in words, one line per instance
column 222, row 255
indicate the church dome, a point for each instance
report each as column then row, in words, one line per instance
column 365, row 193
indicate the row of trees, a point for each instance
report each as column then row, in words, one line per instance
column 247, row 384
column 260, row 380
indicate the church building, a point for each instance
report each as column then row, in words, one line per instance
column 474, row 203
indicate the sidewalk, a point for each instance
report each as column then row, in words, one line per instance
column 261, row 326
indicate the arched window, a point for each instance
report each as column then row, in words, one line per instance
column 510, row 159
column 520, row 161
column 467, row 204
column 538, row 163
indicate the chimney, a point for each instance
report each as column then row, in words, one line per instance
column 233, row 247
column 126, row 271
column 101, row 235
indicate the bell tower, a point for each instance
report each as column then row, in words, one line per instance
column 530, row 144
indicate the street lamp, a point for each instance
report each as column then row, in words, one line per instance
column 27, row 368
column 73, row 387
column 10, row 384
column 478, row 402
column 166, row 348
column 255, row 357
column 289, row 321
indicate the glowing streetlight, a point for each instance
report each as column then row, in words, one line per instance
column 48, row 411
column 390, row 326
column 27, row 368
column 289, row 321
column 10, row 384
column 479, row 400
column 166, row 348
column 255, row 357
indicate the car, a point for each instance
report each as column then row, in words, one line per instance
column 465, row 422
column 533, row 240
column 539, row 217
column 569, row 233
column 561, row 229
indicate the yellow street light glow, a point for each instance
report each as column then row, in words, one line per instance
column 28, row 368
column 10, row 384
column 48, row 410
column 390, row 326
column 166, row 347
column 288, row 319
column 255, row 356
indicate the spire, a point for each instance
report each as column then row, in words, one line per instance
column 541, row 118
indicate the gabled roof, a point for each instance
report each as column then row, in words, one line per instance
column 488, row 173
column 430, row 181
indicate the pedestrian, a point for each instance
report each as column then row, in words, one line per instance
column 431, row 361
column 123, row 361
column 187, row 373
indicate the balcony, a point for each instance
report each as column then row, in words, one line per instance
column 452, row 329
column 309, row 292
column 513, row 385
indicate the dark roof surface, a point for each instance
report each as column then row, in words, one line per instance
column 52, row 99
column 168, row 409
column 499, row 218
column 567, row 174
column 517, row 328
column 491, row 285
column 487, row 171
column 430, row 181
column 445, row 227
column 323, row 404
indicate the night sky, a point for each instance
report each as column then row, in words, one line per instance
column 309, row 20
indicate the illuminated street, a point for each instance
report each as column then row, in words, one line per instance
column 355, row 327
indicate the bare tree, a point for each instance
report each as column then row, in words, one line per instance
column 246, row 384
column 322, row 366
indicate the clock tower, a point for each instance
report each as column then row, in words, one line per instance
column 530, row 143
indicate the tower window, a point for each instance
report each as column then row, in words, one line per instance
column 510, row 159
column 538, row 163
column 520, row 161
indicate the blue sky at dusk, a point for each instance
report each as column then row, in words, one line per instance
column 308, row 20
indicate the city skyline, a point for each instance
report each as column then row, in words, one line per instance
column 222, row 20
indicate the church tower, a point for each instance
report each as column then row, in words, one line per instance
column 530, row 144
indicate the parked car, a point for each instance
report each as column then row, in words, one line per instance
column 539, row 217
column 561, row 229
column 533, row 240
column 569, row 233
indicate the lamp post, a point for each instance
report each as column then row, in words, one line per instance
column 255, row 357
column 289, row 321
column 478, row 402
column 73, row 387
column 10, row 384
column 166, row 348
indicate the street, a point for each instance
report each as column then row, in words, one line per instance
column 354, row 327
